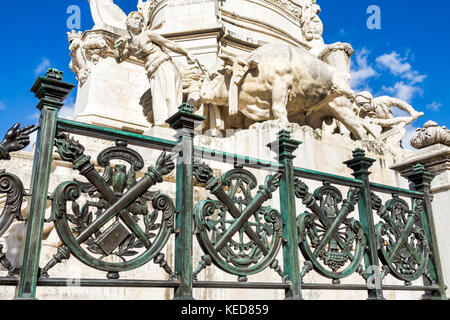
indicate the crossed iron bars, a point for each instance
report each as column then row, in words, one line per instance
column 401, row 231
column 204, row 174
column 301, row 191
column 71, row 151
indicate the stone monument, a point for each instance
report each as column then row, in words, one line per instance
column 251, row 68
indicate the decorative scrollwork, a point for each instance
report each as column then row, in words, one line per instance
column 13, row 187
column 111, row 225
column 402, row 244
column 15, row 139
column 332, row 243
column 237, row 233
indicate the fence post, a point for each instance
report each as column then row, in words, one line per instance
column 52, row 91
column 284, row 148
column 421, row 181
column 360, row 164
column 185, row 122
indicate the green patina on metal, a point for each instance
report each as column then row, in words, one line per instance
column 326, row 236
column 404, row 248
column 421, row 180
column 360, row 164
column 284, row 148
column 185, row 123
column 113, row 202
column 115, row 215
column 51, row 93
column 220, row 224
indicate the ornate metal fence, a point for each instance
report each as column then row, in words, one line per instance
column 337, row 236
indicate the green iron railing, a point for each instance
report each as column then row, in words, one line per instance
column 337, row 236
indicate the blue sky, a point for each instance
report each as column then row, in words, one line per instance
column 407, row 58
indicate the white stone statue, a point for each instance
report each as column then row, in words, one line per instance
column 378, row 112
column 312, row 26
column 106, row 13
column 85, row 53
column 165, row 79
column 429, row 135
column 283, row 83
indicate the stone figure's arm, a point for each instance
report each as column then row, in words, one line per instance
column 386, row 123
column 402, row 105
column 121, row 51
column 155, row 37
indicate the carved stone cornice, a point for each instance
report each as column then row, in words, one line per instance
column 288, row 6
column 435, row 158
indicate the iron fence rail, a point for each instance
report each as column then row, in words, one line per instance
column 324, row 239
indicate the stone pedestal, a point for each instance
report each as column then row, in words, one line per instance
column 110, row 97
column 436, row 160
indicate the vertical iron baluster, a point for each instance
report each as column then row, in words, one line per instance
column 421, row 181
column 360, row 164
column 52, row 91
column 284, row 148
column 185, row 122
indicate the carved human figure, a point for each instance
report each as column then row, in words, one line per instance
column 165, row 79
column 85, row 53
column 378, row 111
column 312, row 26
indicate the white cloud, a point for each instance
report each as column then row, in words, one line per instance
column 32, row 145
column 410, row 131
column 68, row 110
column 342, row 32
column 435, row 106
column 2, row 105
column 399, row 67
column 394, row 63
column 34, row 116
column 361, row 71
column 403, row 91
column 42, row 67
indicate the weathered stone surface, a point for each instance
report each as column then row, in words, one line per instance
column 430, row 134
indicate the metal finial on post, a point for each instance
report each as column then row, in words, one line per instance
column 54, row 74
